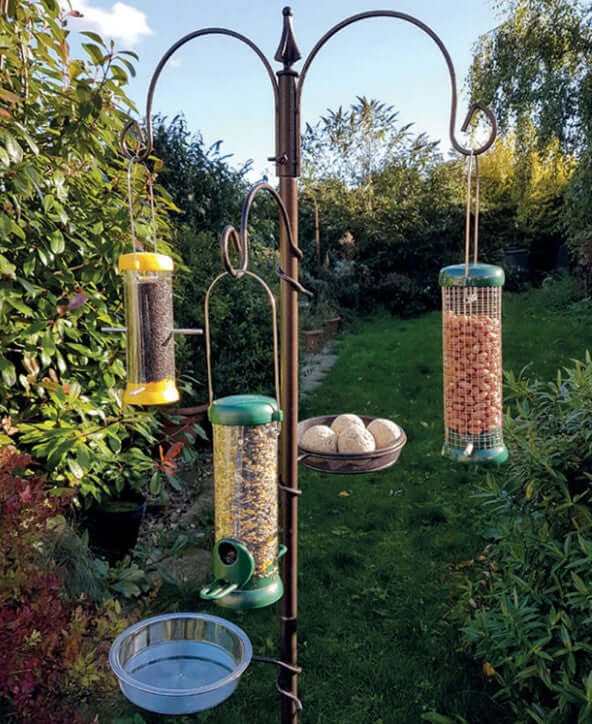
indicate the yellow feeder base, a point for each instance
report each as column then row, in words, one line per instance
column 151, row 393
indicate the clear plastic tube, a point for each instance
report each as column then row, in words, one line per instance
column 246, row 492
column 149, row 321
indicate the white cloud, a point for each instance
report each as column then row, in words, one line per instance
column 122, row 22
column 175, row 63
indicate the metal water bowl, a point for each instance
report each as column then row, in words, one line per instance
column 180, row 663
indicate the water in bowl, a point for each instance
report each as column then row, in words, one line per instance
column 181, row 665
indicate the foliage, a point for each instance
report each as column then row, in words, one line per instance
column 63, row 223
column 534, row 69
column 353, row 145
column 53, row 646
column 210, row 195
column 390, row 208
column 527, row 610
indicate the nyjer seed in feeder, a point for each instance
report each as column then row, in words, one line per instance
column 148, row 280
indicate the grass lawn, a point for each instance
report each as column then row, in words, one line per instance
column 376, row 644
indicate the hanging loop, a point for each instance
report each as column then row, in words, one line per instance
column 231, row 236
column 273, row 306
column 472, row 160
column 141, row 152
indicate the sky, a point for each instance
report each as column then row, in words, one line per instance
column 224, row 92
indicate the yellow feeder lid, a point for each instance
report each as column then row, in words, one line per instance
column 161, row 392
column 145, row 261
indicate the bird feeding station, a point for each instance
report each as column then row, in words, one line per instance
column 472, row 352
column 246, row 427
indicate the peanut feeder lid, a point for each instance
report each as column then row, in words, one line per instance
column 480, row 275
column 244, row 410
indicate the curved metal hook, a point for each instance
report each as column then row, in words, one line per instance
column 148, row 144
column 137, row 156
column 453, row 101
column 240, row 240
column 231, row 235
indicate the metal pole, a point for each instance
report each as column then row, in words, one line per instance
column 288, row 168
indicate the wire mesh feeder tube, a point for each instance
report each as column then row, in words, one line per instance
column 150, row 340
column 472, row 355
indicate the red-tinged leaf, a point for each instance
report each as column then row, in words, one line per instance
column 64, row 51
column 5, row 114
column 77, row 301
column 9, row 96
column 173, row 451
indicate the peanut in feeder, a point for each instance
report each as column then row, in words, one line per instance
column 472, row 355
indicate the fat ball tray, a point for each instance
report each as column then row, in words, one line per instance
column 348, row 463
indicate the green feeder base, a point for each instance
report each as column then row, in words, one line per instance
column 489, row 456
column 263, row 593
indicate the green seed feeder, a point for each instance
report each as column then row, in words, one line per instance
column 246, row 432
column 472, row 354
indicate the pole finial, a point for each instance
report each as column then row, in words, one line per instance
column 288, row 51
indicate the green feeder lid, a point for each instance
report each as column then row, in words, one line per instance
column 244, row 410
column 480, row 275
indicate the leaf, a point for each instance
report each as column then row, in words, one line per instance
column 95, row 52
column 6, row 268
column 56, row 242
column 155, row 483
column 9, row 96
column 129, row 66
column 130, row 53
column 76, row 469
column 12, row 146
column 93, row 36
column 8, row 372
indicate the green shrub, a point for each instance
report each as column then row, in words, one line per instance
column 527, row 612
column 63, row 223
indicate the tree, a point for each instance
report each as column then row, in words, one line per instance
column 64, row 221
column 352, row 145
column 535, row 70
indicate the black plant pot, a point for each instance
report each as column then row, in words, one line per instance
column 113, row 526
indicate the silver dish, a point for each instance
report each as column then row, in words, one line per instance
column 180, row 663
column 344, row 463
